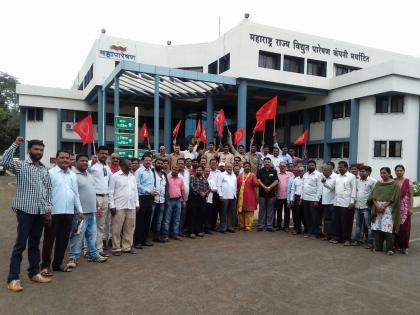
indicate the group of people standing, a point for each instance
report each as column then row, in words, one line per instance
column 113, row 205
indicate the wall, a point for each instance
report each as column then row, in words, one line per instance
column 340, row 128
column 316, row 131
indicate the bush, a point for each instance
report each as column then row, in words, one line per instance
column 416, row 188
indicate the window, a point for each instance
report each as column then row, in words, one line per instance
column 35, row 114
column 395, row 148
column 74, row 147
column 317, row 67
column 339, row 150
column 196, row 69
column 269, row 60
column 341, row 69
column 88, row 77
column 281, row 121
column 296, row 118
column 293, row 64
column 317, row 114
column 397, row 104
column 382, row 104
column 79, row 115
column 72, row 115
column 341, row 110
column 315, row 151
column 67, row 146
column 224, row 63
column 213, row 67
column 110, row 119
column 379, row 149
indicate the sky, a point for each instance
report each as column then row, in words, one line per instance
column 45, row 42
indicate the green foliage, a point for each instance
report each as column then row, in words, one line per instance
column 9, row 115
column 416, row 188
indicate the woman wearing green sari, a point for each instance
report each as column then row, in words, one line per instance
column 385, row 208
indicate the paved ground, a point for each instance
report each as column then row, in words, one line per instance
column 242, row 273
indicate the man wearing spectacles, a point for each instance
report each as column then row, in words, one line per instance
column 101, row 173
column 114, row 166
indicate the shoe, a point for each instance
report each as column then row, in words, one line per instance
column 138, row 246
column 97, row 259
column 208, row 232
column 117, row 253
column 158, row 240
column 40, row 279
column 221, row 231
column 390, row 252
column 178, row 238
column 404, row 251
column 103, row 254
column 104, row 245
column 72, row 263
column 231, row 231
column 334, row 241
column 306, row 235
column 247, row 229
column 356, row 243
column 270, row 230
column 192, row 235
column 369, row 246
column 286, row 229
column 259, row 229
column 313, row 237
column 15, row 286
column 131, row 251
column 347, row 243
column 165, row 240
column 200, row 234
column 147, row 243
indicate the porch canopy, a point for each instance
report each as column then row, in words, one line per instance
column 157, row 82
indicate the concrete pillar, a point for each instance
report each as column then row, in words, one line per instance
column 101, row 116
column 156, row 115
column 327, row 131
column 354, row 130
column 167, row 123
column 210, row 115
column 242, row 106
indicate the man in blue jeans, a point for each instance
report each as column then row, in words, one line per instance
column 173, row 212
column 365, row 185
column 32, row 206
column 161, row 199
column 87, row 196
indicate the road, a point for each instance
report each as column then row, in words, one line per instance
column 241, row 273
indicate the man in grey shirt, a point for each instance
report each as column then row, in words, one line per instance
column 87, row 228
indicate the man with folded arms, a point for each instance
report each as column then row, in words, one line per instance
column 123, row 204
column 32, row 206
column 227, row 190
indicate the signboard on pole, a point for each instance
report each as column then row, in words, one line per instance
column 124, row 140
column 125, row 123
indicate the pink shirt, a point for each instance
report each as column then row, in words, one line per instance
column 176, row 186
column 282, row 186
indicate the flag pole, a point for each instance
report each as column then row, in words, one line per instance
column 94, row 147
column 136, row 132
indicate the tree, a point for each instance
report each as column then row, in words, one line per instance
column 9, row 110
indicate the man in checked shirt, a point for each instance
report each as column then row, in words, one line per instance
column 32, row 206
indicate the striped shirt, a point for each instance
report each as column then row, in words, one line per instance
column 33, row 183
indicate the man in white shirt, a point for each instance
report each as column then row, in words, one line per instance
column 161, row 199
column 191, row 152
column 265, row 153
column 345, row 196
column 216, row 176
column 296, row 205
column 327, row 201
column 123, row 204
column 311, row 194
column 101, row 174
column 65, row 200
column 227, row 194
column 209, row 200
column 185, row 175
column 364, row 187
column 226, row 156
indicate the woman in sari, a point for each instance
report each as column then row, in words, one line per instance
column 385, row 208
column 247, row 197
column 406, row 210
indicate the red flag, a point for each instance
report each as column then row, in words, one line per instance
column 268, row 110
column 198, row 129
column 84, row 129
column 219, row 121
column 203, row 136
column 239, row 135
column 176, row 130
column 303, row 138
column 144, row 133
column 260, row 126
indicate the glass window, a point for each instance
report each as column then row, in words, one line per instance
column 67, row 115
column 317, row 67
column 316, row 114
column 80, row 115
column 109, row 119
column 224, row 63
column 397, row 104
column 347, row 109
column 340, row 70
column 382, row 104
column 67, row 146
column 338, row 110
column 35, row 114
column 293, row 64
column 315, row 151
column 346, row 149
column 379, row 149
column 269, row 60
column 395, row 148
column 79, row 148
column 296, row 118
column 336, row 150
column 212, row 68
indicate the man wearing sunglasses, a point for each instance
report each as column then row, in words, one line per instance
column 114, row 166
column 101, row 173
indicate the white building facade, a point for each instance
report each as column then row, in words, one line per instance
column 359, row 104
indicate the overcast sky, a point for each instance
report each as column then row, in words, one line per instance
column 45, row 42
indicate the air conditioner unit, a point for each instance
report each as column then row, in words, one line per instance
column 69, row 126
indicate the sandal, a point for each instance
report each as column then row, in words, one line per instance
column 46, row 273
column 63, row 269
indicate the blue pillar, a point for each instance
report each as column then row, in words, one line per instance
column 101, row 116
column 22, row 132
column 89, row 146
column 167, row 123
column 306, row 120
column 210, row 115
column 418, row 145
column 327, row 131
column 242, row 98
column 59, row 129
column 286, row 130
column 116, row 97
column 156, row 115
column 354, row 130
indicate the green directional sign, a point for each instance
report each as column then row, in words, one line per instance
column 125, row 123
column 125, row 153
column 124, row 140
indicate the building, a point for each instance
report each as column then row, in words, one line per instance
column 360, row 104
